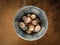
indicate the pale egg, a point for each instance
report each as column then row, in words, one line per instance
column 23, row 18
column 25, row 28
column 28, row 32
column 37, row 28
column 33, row 16
column 34, row 22
column 28, row 15
column 38, row 20
column 22, row 24
column 27, row 20
column 31, row 27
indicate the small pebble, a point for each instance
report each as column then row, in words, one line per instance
column 37, row 28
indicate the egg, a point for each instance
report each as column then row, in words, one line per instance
column 34, row 22
column 37, row 28
column 22, row 24
column 28, row 15
column 25, row 28
column 33, row 16
column 23, row 18
column 27, row 20
column 28, row 32
column 31, row 27
column 38, row 20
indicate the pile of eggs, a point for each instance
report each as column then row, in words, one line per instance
column 30, row 23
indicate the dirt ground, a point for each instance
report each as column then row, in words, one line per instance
column 8, row 9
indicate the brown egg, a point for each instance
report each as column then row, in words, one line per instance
column 27, row 20
column 28, row 32
column 37, row 28
column 33, row 16
column 22, row 24
column 34, row 22
column 31, row 27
